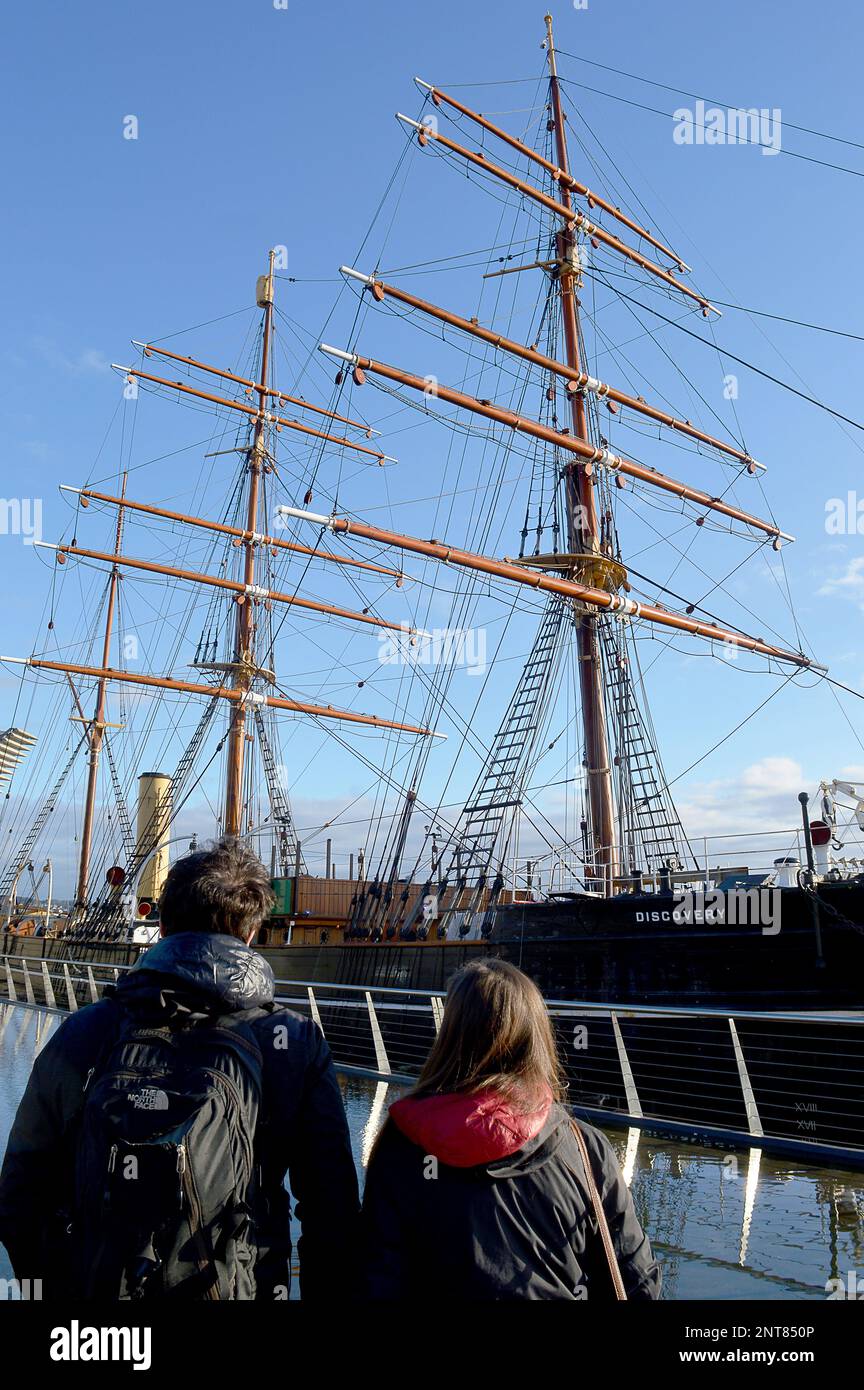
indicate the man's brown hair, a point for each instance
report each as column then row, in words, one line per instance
column 223, row 888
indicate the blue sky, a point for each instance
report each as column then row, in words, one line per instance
column 260, row 126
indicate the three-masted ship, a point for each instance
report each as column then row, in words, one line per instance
column 617, row 904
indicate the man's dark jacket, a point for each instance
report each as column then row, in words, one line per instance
column 520, row 1226
column 302, row 1128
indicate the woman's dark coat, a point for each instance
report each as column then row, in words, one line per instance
column 514, row 1225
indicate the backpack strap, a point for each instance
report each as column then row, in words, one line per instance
column 600, row 1214
column 237, row 1024
column 114, row 1033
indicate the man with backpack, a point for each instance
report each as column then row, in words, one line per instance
column 149, row 1152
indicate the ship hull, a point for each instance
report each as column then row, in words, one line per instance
column 631, row 950
column 627, row 950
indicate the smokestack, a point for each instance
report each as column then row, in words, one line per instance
column 154, row 814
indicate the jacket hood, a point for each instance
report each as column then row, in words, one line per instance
column 479, row 1129
column 194, row 974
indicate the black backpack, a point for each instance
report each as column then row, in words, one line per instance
column 165, row 1167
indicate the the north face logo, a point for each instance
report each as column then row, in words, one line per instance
column 149, row 1098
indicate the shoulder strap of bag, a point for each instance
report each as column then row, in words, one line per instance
column 600, row 1214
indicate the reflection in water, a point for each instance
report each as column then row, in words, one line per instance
column 754, row 1160
column 629, row 1164
column 374, row 1120
column 723, row 1225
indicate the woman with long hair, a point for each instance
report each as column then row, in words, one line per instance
column 477, row 1186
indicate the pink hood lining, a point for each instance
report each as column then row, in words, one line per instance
column 465, row 1131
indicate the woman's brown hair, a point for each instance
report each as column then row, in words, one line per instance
column 495, row 1035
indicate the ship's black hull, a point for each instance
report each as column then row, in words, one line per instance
column 631, row 950
column 636, row 949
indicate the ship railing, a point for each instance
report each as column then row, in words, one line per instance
column 785, row 1081
column 59, row 985
column 715, row 857
column 791, row 1082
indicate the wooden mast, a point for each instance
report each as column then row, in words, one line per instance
column 96, row 732
column 584, row 534
column 244, row 653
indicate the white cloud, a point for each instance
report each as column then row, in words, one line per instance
column 86, row 360
column 776, row 774
column 762, row 796
column 849, row 584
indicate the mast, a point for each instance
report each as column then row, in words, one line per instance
column 244, row 654
column 584, row 536
column 96, row 732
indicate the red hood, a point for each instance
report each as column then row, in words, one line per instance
column 464, row 1131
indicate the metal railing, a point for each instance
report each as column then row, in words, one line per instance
column 715, row 857
column 791, row 1082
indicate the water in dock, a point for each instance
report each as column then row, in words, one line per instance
column 723, row 1225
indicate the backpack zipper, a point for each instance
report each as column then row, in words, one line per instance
column 112, row 1164
column 181, row 1166
column 187, row 1184
column 227, row 1084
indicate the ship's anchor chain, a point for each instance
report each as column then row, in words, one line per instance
column 828, row 907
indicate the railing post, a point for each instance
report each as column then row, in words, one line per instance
column 631, row 1095
column 70, row 989
column 437, row 1006
column 754, row 1122
column 48, row 987
column 6, row 1012
column 11, row 992
column 381, row 1059
column 94, row 993
column 313, row 1005
column 28, row 983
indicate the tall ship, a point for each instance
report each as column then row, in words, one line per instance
column 422, row 598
